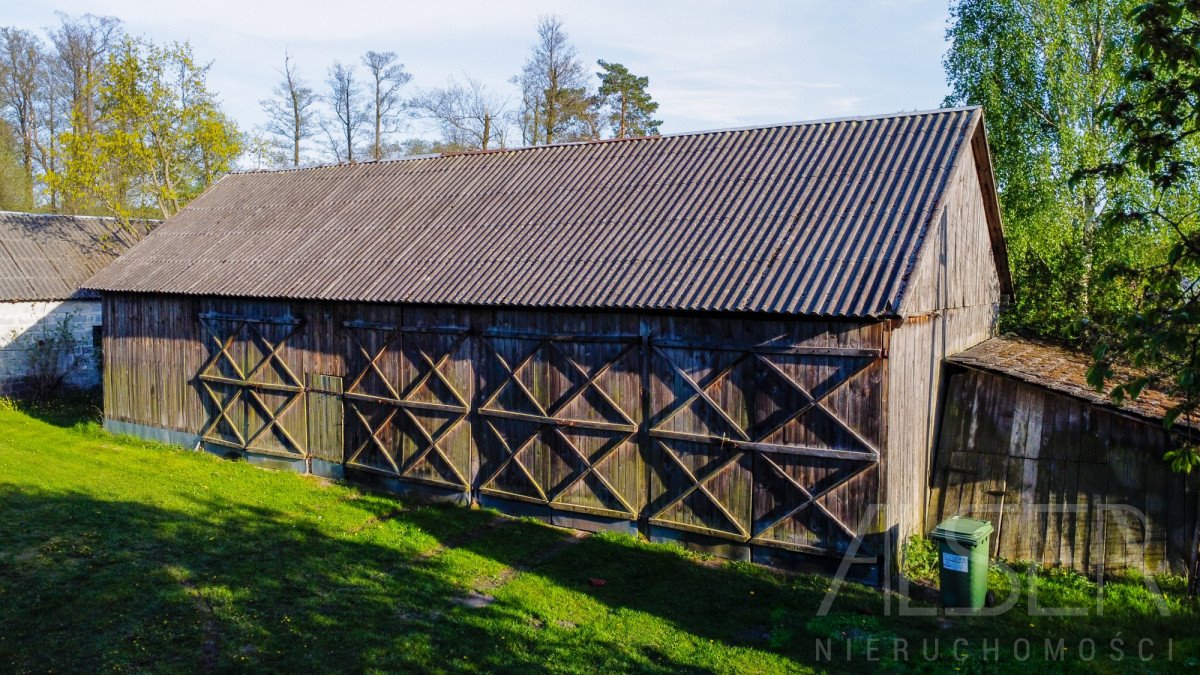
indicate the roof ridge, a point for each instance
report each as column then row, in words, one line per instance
column 603, row 141
column 60, row 215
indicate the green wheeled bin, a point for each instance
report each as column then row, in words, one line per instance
column 963, row 545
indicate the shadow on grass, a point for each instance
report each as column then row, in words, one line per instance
column 71, row 408
column 89, row 584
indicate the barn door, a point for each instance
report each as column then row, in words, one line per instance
column 407, row 400
column 326, row 417
column 253, row 397
column 753, row 444
column 561, row 419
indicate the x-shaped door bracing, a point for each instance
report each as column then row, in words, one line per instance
column 551, row 419
column 400, row 400
column 742, row 444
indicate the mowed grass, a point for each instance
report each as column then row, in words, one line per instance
column 122, row 555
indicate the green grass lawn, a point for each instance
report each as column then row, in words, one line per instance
column 116, row 554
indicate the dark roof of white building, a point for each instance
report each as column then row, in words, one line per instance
column 48, row 257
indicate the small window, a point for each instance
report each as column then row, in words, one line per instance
column 98, row 347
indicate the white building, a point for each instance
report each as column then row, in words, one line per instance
column 44, row 316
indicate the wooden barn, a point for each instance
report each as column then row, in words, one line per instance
column 730, row 338
column 1067, row 477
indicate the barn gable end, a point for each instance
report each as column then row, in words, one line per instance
column 951, row 303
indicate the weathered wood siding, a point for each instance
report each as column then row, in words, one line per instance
column 751, row 431
column 951, row 305
column 1063, row 482
column 915, row 368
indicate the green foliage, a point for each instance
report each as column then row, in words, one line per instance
column 160, row 138
column 919, row 559
column 14, row 183
column 1043, row 70
column 630, row 108
column 1183, row 459
column 1158, row 116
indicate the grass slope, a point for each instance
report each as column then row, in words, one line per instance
column 116, row 554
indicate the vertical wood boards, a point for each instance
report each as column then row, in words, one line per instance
column 1081, row 486
column 914, row 380
column 756, row 431
column 326, row 417
column 950, row 303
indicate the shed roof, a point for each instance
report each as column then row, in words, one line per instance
column 822, row 218
column 48, row 257
column 1062, row 370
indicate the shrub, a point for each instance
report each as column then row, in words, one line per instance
column 51, row 356
column 919, row 559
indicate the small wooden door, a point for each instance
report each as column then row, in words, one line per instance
column 326, row 419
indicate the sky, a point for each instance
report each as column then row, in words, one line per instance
column 711, row 64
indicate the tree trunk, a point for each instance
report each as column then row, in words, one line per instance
column 378, row 150
column 624, row 112
column 487, row 130
column 349, row 133
column 548, row 136
column 295, row 131
column 27, row 142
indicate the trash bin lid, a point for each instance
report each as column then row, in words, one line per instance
column 962, row 530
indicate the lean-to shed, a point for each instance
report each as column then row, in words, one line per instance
column 43, row 260
column 729, row 337
column 1066, row 476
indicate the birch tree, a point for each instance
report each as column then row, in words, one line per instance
column 554, row 86
column 1043, row 70
column 291, row 115
column 386, row 77
column 345, row 99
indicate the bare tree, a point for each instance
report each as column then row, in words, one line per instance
column 387, row 77
column 554, row 86
column 350, row 114
column 54, row 117
column 469, row 115
column 290, row 113
column 21, row 65
column 82, row 44
column 263, row 152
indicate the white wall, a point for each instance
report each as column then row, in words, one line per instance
column 23, row 323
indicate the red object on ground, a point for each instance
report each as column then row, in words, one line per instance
column 597, row 582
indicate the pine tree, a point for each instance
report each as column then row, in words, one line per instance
column 630, row 108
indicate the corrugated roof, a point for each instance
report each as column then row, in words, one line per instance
column 817, row 218
column 1059, row 369
column 48, row 257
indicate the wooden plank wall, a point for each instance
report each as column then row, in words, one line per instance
column 1052, row 473
column 951, row 304
column 764, row 432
